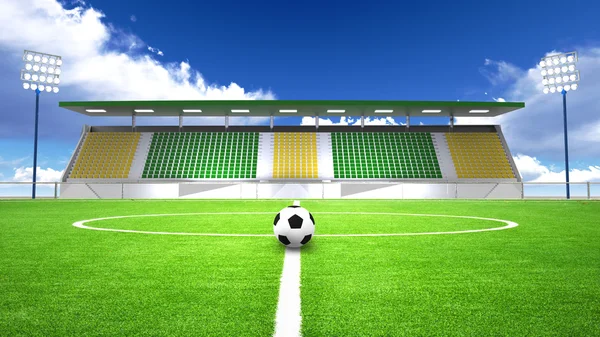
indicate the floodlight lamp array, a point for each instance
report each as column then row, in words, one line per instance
column 41, row 71
column 559, row 72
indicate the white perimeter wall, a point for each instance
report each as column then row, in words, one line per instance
column 336, row 190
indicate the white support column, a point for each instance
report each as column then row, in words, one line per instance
column 133, row 121
column 180, row 121
column 362, row 121
column 272, row 122
column 226, row 122
column 317, row 122
column 407, row 121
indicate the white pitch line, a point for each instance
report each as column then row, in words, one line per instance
column 509, row 224
column 288, row 320
column 81, row 224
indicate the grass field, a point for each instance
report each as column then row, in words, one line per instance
column 540, row 278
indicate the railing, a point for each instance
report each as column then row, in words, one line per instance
column 527, row 190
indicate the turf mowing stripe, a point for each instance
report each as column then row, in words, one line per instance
column 288, row 320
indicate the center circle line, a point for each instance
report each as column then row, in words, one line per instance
column 509, row 224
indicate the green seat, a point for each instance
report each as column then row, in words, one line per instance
column 384, row 155
column 203, row 155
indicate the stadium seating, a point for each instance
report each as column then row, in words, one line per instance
column 392, row 155
column 106, row 155
column 479, row 155
column 202, row 155
column 295, row 155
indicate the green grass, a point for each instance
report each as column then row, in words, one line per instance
column 541, row 278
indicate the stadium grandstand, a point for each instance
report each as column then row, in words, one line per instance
column 272, row 161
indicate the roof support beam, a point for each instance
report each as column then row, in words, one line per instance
column 272, row 121
column 407, row 122
column 317, row 122
column 226, row 122
column 133, row 121
column 180, row 121
column 451, row 122
column 362, row 121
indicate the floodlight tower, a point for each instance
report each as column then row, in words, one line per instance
column 41, row 72
column 559, row 74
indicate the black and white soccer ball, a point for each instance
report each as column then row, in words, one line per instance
column 294, row 226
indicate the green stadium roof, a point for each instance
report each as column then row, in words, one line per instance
column 292, row 108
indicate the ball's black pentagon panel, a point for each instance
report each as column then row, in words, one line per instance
column 312, row 219
column 295, row 221
column 306, row 239
column 276, row 219
column 283, row 239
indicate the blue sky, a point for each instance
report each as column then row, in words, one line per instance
column 345, row 50
column 429, row 50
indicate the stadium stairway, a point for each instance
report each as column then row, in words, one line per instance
column 325, row 156
column 141, row 154
column 444, row 156
column 264, row 165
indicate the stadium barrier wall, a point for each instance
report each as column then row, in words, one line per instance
column 320, row 190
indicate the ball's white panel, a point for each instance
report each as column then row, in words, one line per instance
column 295, row 224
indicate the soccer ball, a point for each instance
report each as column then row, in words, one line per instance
column 294, row 226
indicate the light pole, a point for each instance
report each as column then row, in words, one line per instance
column 41, row 72
column 560, row 75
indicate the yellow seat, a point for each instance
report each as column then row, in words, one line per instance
column 478, row 155
column 106, row 155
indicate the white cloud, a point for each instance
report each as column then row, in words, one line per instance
column 499, row 99
column 156, row 51
column 133, row 18
column 498, row 72
column 533, row 170
column 11, row 163
column 477, row 120
column 25, row 174
column 307, row 120
column 537, row 129
column 87, row 43
column 588, row 133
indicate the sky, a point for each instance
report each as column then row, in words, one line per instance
column 375, row 50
